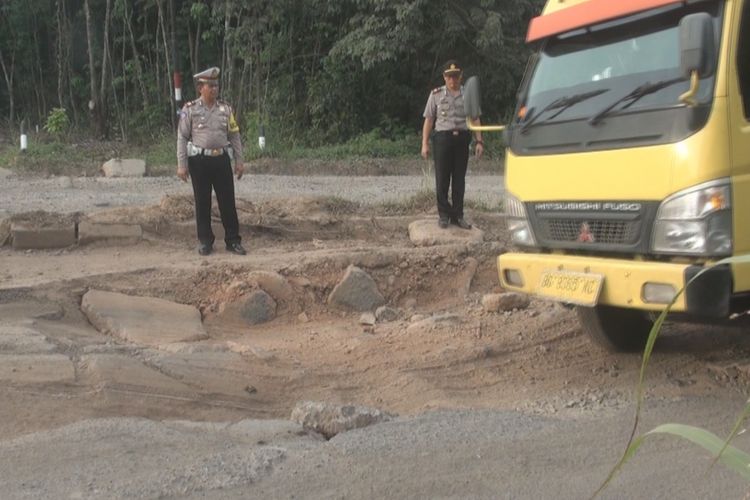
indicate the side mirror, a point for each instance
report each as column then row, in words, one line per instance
column 697, row 46
column 472, row 98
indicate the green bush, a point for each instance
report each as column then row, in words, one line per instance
column 57, row 122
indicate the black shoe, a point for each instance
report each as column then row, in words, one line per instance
column 443, row 222
column 461, row 222
column 236, row 248
column 205, row 249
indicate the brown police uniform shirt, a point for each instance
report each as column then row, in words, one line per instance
column 446, row 109
column 206, row 127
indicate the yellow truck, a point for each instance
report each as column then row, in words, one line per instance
column 628, row 163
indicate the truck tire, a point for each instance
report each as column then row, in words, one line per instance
column 614, row 328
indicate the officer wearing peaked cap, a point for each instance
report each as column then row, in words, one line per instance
column 445, row 112
column 206, row 135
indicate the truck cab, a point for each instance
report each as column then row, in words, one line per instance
column 628, row 163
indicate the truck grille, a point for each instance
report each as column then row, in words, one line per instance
column 593, row 225
column 601, row 231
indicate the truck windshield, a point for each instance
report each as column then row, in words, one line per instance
column 615, row 58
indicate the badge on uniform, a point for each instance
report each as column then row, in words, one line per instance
column 233, row 127
column 221, row 108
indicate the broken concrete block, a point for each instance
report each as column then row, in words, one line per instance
column 124, row 168
column 27, row 236
column 89, row 232
column 143, row 320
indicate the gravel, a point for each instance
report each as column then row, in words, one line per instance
column 85, row 194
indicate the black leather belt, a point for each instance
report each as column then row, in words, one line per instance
column 454, row 132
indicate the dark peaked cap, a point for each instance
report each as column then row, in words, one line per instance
column 451, row 66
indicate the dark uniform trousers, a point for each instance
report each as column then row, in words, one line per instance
column 451, row 153
column 207, row 173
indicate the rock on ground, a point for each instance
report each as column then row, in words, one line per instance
column 254, row 308
column 329, row 419
column 498, row 302
column 425, row 233
column 356, row 291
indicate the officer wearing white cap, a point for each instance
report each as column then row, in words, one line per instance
column 445, row 112
column 206, row 135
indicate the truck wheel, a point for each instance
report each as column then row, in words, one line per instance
column 614, row 328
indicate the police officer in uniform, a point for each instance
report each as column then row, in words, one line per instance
column 206, row 135
column 445, row 112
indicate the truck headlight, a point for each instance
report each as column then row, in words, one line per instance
column 697, row 221
column 518, row 223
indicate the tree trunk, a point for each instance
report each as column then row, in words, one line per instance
column 8, row 76
column 136, row 55
column 103, row 94
column 225, row 58
column 37, row 78
column 59, row 53
column 94, row 104
column 163, row 29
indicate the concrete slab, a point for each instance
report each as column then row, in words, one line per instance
column 123, row 371
column 89, row 232
column 18, row 339
column 26, row 236
column 117, row 167
column 424, row 233
column 36, row 368
column 4, row 228
column 214, row 372
column 30, row 309
column 143, row 320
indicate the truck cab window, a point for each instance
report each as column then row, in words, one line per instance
column 743, row 58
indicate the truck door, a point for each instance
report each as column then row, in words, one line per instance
column 739, row 112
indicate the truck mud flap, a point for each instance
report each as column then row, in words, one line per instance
column 709, row 295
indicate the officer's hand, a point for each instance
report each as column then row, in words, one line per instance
column 425, row 151
column 182, row 173
column 239, row 169
column 479, row 150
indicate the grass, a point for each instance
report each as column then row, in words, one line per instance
column 369, row 145
column 721, row 449
column 85, row 157
column 78, row 156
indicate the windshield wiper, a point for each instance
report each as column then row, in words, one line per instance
column 561, row 105
column 640, row 91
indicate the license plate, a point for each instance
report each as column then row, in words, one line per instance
column 570, row 286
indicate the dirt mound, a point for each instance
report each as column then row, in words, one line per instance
column 44, row 219
column 439, row 349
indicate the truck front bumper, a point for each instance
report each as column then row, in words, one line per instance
column 624, row 282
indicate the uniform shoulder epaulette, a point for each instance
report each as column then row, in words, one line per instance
column 437, row 90
column 190, row 103
column 225, row 103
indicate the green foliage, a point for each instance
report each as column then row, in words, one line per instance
column 316, row 72
column 57, row 122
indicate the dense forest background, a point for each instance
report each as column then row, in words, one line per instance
column 309, row 71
